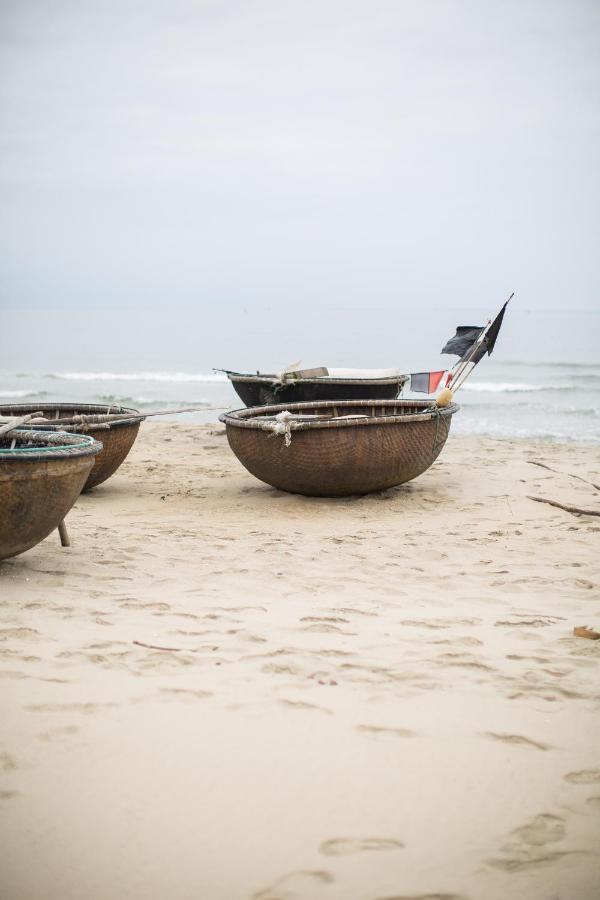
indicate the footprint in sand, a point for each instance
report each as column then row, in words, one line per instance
column 353, row 612
column 57, row 734
column 586, row 776
column 157, row 607
column 19, row 634
column 348, row 846
column 84, row 708
column 325, row 628
column 438, row 623
column 424, row 897
column 543, row 829
column 525, row 847
column 386, row 731
column 7, row 763
column 317, row 619
column 301, row 704
column 295, row 886
column 186, row 693
column 531, row 622
column 516, row 739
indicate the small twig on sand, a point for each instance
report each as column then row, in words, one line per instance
column 154, row 647
column 574, row 510
column 533, row 462
column 585, row 632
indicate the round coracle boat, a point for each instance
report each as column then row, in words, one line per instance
column 41, row 476
column 339, row 448
column 117, row 437
column 261, row 389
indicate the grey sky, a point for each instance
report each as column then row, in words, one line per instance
column 400, row 152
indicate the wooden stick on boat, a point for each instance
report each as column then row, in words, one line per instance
column 11, row 424
column 108, row 418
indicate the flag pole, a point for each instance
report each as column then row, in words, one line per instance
column 463, row 363
column 459, row 379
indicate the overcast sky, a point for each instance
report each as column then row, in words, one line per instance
column 370, row 152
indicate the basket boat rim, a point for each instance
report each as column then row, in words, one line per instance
column 250, row 417
column 46, row 445
column 77, row 409
column 268, row 378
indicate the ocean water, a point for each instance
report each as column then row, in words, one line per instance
column 542, row 381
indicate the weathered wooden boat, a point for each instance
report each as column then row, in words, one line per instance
column 116, row 437
column 41, row 476
column 261, row 389
column 338, row 448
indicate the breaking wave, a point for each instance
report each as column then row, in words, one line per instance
column 141, row 401
column 509, row 387
column 21, row 395
column 179, row 377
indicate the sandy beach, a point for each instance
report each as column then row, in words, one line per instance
column 375, row 698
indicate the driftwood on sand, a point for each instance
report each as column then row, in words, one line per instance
column 156, row 647
column 574, row 510
column 533, row 462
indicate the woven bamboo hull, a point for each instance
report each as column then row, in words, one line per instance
column 262, row 391
column 341, row 461
column 117, row 440
column 35, row 496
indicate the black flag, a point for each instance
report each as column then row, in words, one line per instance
column 463, row 340
column 494, row 329
column 476, row 349
column 489, row 341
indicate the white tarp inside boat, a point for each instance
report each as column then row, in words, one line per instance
column 365, row 373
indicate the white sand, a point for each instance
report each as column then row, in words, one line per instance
column 372, row 698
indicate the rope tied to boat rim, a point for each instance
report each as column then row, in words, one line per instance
column 282, row 423
column 437, row 414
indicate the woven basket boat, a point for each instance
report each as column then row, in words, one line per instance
column 117, row 438
column 261, row 389
column 341, row 447
column 41, row 477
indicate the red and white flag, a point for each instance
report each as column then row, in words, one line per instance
column 426, row 382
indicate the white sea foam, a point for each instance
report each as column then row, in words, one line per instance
column 180, row 377
column 139, row 400
column 15, row 395
column 507, row 387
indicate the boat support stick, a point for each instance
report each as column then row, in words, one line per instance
column 63, row 534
